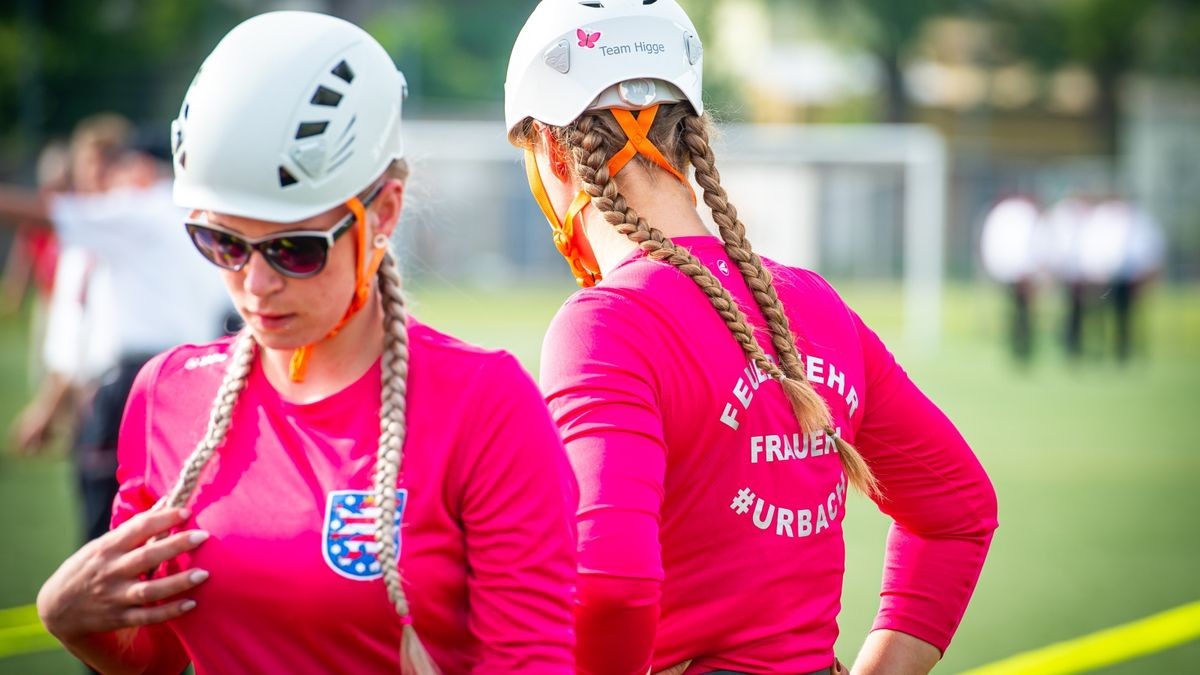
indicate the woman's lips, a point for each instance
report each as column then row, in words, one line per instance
column 271, row 322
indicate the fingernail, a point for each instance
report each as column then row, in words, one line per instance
column 198, row 536
column 197, row 576
column 185, row 513
column 187, row 605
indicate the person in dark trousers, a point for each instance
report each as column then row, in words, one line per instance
column 131, row 309
column 1009, row 246
column 1121, row 251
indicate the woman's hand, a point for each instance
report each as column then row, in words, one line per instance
column 99, row 589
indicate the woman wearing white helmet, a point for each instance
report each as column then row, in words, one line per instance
column 255, row 543
column 713, row 471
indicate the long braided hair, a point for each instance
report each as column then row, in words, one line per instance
column 414, row 659
column 683, row 137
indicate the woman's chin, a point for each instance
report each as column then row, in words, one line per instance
column 276, row 341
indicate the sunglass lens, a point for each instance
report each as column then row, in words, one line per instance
column 221, row 249
column 298, row 256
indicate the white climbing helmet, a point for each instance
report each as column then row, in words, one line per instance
column 292, row 114
column 578, row 55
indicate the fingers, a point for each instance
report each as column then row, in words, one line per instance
column 142, row 527
column 144, row 616
column 147, row 592
column 146, row 558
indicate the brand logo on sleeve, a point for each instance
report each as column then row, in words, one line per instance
column 205, row 361
column 348, row 534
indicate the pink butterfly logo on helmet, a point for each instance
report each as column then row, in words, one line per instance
column 587, row 39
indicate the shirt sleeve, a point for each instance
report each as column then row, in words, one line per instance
column 517, row 515
column 110, row 225
column 602, row 395
column 937, row 493
column 134, row 495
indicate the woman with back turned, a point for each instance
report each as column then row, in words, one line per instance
column 716, row 406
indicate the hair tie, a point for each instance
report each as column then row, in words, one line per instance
column 406, row 620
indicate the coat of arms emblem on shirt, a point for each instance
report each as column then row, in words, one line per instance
column 348, row 534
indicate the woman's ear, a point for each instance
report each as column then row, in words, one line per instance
column 555, row 153
column 387, row 206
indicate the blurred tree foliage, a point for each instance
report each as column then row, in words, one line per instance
column 890, row 28
column 1109, row 38
column 63, row 59
column 451, row 50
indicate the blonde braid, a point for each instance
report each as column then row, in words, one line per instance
column 733, row 234
column 218, row 421
column 591, row 148
column 811, row 409
column 414, row 659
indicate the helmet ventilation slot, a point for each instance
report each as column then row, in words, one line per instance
column 286, row 179
column 342, row 70
column 310, row 129
column 327, row 97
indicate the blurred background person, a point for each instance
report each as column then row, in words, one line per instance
column 1144, row 260
column 33, row 258
column 1120, row 250
column 132, row 286
column 34, row 251
column 1011, row 246
column 78, row 349
column 1065, row 221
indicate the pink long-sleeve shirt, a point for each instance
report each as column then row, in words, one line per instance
column 487, row 540
column 710, row 524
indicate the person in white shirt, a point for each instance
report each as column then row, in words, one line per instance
column 1011, row 245
column 1064, row 223
column 1120, row 250
column 144, row 285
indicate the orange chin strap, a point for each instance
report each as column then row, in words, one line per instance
column 564, row 230
column 363, row 275
column 635, row 129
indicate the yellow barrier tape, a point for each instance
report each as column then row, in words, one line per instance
column 1104, row 648
column 27, row 639
column 18, row 616
column 22, row 633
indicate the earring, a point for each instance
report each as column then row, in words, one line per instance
column 381, row 241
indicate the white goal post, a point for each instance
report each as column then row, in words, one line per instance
column 468, row 185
